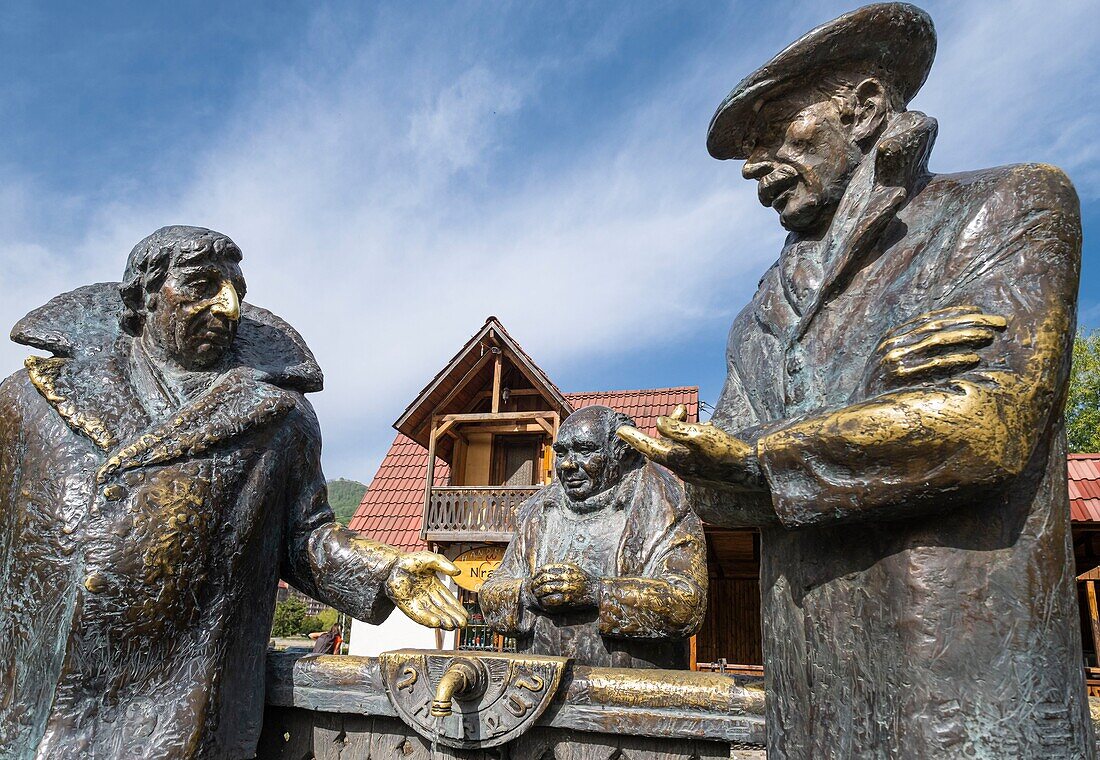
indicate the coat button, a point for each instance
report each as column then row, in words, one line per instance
column 113, row 492
column 96, row 582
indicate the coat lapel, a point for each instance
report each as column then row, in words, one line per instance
column 876, row 192
column 100, row 403
column 92, row 395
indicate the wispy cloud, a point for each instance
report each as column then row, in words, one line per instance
column 399, row 179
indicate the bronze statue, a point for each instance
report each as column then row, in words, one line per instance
column 892, row 417
column 608, row 564
column 158, row 475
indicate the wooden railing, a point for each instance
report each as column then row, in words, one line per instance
column 482, row 513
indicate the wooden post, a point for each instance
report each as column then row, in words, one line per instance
column 431, row 476
column 498, row 365
column 693, row 661
column 1094, row 615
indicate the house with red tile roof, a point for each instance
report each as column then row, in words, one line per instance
column 475, row 443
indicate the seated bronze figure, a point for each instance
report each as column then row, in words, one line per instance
column 158, row 475
column 608, row 565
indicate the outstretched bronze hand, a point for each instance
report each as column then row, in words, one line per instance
column 415, row 588
column 697, row 451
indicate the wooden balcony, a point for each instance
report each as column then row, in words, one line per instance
column 474, row 513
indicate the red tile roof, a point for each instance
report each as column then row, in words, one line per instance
column 1084, row 487
column 644, row 406
column 393, row 506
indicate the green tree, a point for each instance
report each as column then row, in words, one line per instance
column 289, row 616
column 328, row 617
column 1083, row 401
column 344, row 496
column 311, row 624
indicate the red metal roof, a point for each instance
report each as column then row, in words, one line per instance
column 393, row 506
column 1084, row 487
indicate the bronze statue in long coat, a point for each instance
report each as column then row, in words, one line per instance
column 158, row 475
column 608, row 563
column 892, row 421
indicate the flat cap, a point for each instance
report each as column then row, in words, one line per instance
column 897, row 41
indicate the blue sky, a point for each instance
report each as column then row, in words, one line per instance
column 396, row 172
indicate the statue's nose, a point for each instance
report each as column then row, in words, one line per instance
column 227, row 302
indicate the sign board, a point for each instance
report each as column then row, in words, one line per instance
column 476, row 565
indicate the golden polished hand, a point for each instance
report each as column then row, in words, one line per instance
column 415, row 588
column 696, row 450
column 937, row 343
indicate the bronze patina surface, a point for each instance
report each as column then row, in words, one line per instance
column 608, row 564
column 891, row 419
column 158, row 475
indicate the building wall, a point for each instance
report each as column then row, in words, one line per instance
column 398, row 632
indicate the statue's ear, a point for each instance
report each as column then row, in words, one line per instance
column 869, row 109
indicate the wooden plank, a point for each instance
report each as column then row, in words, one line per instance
column 515, row 427
column 1094, row 615
column 499, row 417
column 431, row 473
column 498, row 368
column 462, row 383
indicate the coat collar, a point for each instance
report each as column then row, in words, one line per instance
column 90, row 385
column 879, row 187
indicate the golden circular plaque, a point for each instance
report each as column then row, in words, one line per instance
column 476, row 565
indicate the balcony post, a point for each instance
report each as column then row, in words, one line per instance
column 431, row 477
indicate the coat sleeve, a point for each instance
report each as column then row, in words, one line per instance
column 720, row 503
column 669, row 598
column 924, row 448
column 503, row 602
column 322, row 558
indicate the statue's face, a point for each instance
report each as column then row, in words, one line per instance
column 193, row 317
column 584, row 458
column 802, row 157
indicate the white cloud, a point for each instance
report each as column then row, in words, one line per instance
column 376, row 214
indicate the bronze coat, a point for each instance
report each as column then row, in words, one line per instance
column 917, row 574
column 139, row 557
column 645, row 613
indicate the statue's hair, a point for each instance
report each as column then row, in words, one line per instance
column 624, row 453
column 842, row 84
column 149, row 261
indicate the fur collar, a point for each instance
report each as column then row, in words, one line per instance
column 88, row 380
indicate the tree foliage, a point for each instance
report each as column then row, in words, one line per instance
column 312, row 624
column 289, row 616
column 344, row 496
column 1083, row 400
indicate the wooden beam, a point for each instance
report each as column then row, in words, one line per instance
column 462, row 383
column 514, row 392
column 546, row 425
column 512, row 427
column 444, row 428
column 1094, row 615
column 431, row 477
column 500, row 417
column 498, row 369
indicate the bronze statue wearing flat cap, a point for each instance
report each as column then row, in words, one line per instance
column 158, row 475
column 891, row 419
